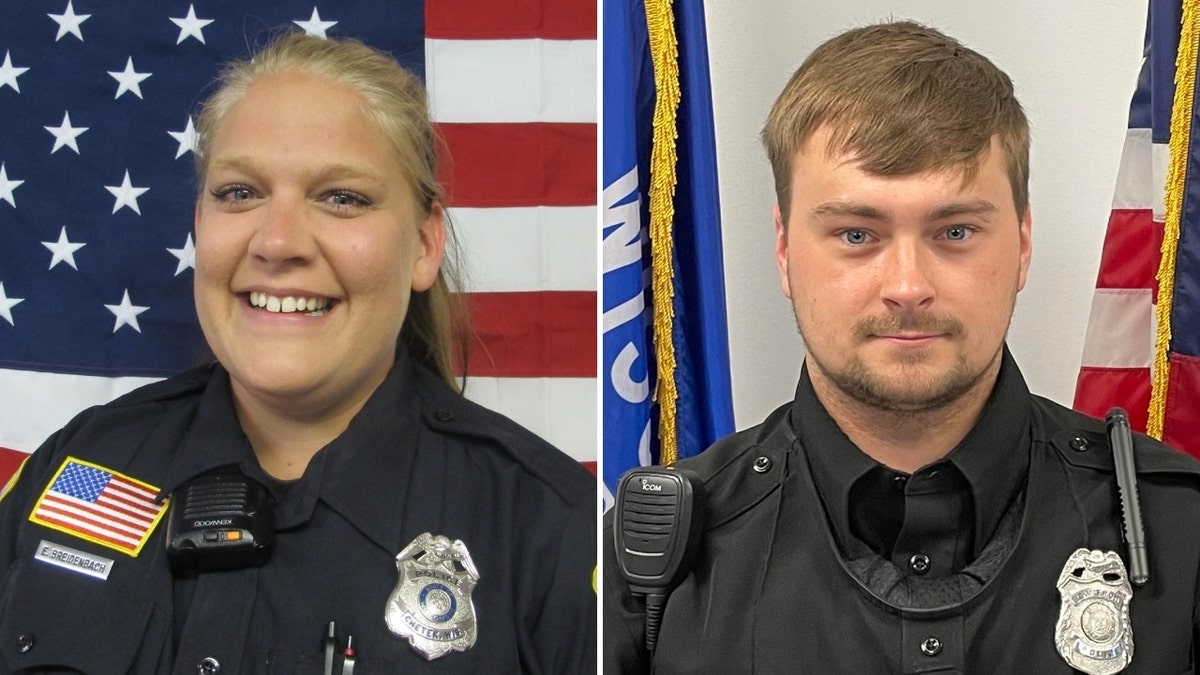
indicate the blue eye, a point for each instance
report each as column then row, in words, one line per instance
column 346, row 199
column 856, row 237
column 232, row 193
column 958, row 233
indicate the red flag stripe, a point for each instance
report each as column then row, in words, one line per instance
column 1132, row 252
column 1181, row 427
column 88, row 532
column 134, row 523
column 535, row 164
column 1099, row 389
column 543, row 334
column 87, row 522
column 488, row 19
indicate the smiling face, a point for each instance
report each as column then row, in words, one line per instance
column 903, row 286
column 308, row 245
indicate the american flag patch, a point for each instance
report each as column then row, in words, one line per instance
column 99, row 505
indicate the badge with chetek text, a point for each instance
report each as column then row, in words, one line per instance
column 1093, row 633
column 431, row 606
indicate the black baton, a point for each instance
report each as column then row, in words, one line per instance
column 1121, row 438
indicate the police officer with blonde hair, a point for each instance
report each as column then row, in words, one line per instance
column 320, row 497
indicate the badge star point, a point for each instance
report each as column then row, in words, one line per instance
column 129, row 80
column 63, row 249
column 126, row 313
column 190, row 26
column 65, row 135
column 314, row 26
column 9, row 73
column 185, row 138
column 69, row 22
column 186, row 255
column 126, row 194
column 6, row 305
column 7, row 186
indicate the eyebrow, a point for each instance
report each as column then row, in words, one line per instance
column 868, row 212
column 336, row 171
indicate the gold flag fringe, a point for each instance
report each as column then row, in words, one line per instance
column 1181, row 124
column 664, row 53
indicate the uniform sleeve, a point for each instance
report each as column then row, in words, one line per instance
column 566, row 629
column 16, row 505
column 624, row 616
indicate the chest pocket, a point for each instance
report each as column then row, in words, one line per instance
column 55, row 620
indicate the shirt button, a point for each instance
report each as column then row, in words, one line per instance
column 919, row 563
column 899, row 482
column 444, row 415
column 25, row 643
column 1079, row 444
column 762, row 464
column 208, row 666
column 931, row 646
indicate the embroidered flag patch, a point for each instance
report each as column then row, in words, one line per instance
column 99, row 505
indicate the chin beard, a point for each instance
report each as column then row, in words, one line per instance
column 915, row 394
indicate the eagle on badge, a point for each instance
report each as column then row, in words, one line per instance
column 431, row 605
column 1094, row 634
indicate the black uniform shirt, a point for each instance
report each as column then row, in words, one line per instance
column 938, row 520
column 417, row 458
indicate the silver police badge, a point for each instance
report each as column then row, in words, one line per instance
column 1093, row 633
column 431, row 606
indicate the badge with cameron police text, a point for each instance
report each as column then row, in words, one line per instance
column 431, row 606
column 1094, row 634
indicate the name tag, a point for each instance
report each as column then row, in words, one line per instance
column 74, row 560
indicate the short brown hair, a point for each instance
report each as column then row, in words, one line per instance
column 903, row 99
column 436, row 328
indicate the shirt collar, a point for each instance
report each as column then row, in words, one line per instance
column 993, row 457
column 363, row 473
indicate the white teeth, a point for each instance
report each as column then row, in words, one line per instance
column 289, row 304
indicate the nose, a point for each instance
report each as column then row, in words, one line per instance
column 283, row 235
column 906, row 277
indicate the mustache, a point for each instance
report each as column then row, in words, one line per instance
column 908, row 323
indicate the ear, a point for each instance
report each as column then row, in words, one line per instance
column 1026, row 246
column 781, row 251
column 431, row 244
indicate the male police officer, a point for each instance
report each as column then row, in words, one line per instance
column 915, row 509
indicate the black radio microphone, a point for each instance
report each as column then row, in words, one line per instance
column 658, row 518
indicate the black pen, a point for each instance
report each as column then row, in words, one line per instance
column 1121, row 438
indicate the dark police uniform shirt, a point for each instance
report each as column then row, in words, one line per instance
column 816, row 559
column 418, row 458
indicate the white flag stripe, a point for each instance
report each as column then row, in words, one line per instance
column 85, row 520
column 498, row 81
column 132, row 492
column 1160, row 156
column 118, row 518
column 555, row 408
column 45, row 402
column 1120, row 332
column 537, row 248
column 1134, row 189
column 136, row 507
column 561, row 409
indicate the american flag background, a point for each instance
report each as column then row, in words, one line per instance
column 101, row 506
column 1119, row 349
column 97, row 191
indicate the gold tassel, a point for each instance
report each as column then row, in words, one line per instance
column 1181, row 123
column 664, row 53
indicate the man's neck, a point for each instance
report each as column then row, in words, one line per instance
column 906, row 441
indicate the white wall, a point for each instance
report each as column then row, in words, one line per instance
column 1074, row 64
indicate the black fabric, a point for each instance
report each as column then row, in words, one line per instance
column 774, row 591
column 946, row 512
column 418, row 458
